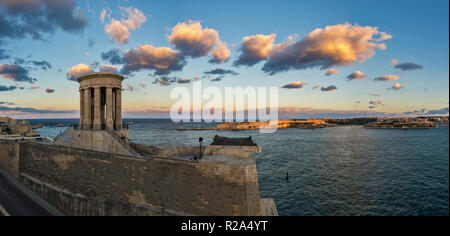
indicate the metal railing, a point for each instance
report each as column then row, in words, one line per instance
column 122, row 140
column 63, row 133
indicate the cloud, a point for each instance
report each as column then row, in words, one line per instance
column 15, row 73
column 217, row 79
column 3, row 54
column 184, row 81
column 393, row 62
column 119, row 30
column 45, row 65
column 386, row 78
column 221, row 54
column 220, row 71
column 374, row 95
column 192, row 40
column 21, row 110
column 7, row 103
column 113, row 56
column 255, row 49
column 423, row 112
column 105, row 13
column 77, row 71
column 443, row 111
column 30, row 64
column 331, row 72
column 408, row 66
column 163, row 60
column 135, row 18
column 165, row 80
column 35, row 87
column 377, row 102
column 335, row 45
column 372, row 107
column 6, row 88
column 396, row 86
column 329, row 88
column 49, row 90
column 295, row 85
column 356, row 75
column 35, row 18
column 128, row 87
column 317, row 87
column 108, row 68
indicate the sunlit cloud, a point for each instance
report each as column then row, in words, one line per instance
column 119, row 30
column 393, row 62
column 165, row 80
column 15, row 73
column 377, row 102
column 331, row 72
column 295, row 85
column 356, row 75
column 192, row 40
column 396, row 86
column 255, row 49
column 323, row 48
column 49, row 90
column 108, row 68
column 77, row 71
column 162, row 60
column 386, row 78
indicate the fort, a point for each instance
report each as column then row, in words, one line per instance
column 93, row 168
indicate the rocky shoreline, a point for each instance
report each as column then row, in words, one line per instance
column 366, row 122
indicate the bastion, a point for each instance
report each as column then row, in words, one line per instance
column 93, row 168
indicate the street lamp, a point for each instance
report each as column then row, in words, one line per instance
column 200, row 140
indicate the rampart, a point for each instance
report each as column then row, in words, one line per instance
column 84, row 182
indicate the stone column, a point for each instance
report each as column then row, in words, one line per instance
column 118, row 109
column 81, row 109
column 109, row 108
column 87, row 109
column 97, row 109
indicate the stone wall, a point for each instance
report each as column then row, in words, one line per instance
column 9, row 156
column 78, row 205
column 100, row 141
column 215, row 185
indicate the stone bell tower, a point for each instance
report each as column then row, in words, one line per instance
column 101, row 101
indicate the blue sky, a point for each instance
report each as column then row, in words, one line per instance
column 419, row 31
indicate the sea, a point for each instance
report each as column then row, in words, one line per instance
column 335, row 171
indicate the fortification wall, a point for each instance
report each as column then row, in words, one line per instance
column 9, row 156
column 100, row 141
column 216, row 185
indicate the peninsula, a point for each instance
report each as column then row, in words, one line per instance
column 366, row 122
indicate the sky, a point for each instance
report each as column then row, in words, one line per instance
column 328, row 58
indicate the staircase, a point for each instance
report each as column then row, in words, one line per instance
column 122, row 140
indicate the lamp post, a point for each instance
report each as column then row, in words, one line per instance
column 200, row 140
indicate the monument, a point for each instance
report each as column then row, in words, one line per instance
column 100, row 127
column 101, row 101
